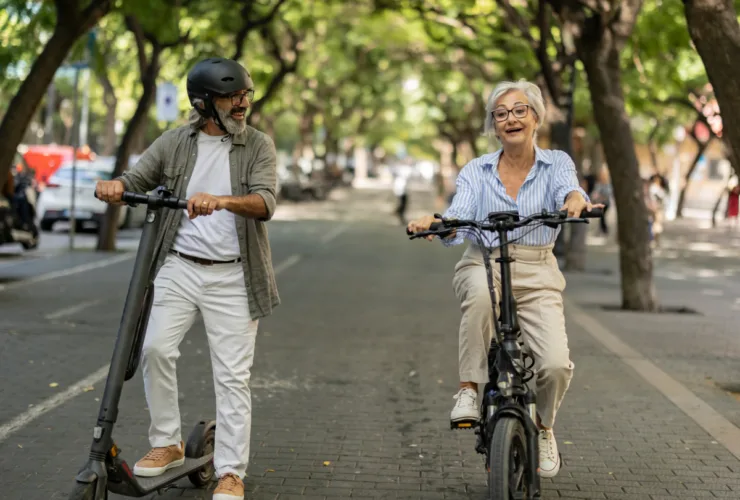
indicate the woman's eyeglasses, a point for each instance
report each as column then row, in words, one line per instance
column 519, row 111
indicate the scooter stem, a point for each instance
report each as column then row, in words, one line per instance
column 102, row 439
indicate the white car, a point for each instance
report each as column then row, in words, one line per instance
column 55, row 202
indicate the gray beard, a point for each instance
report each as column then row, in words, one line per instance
column 232, row 125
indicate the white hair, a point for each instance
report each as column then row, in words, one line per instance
column 529, row 89
column 195, row 119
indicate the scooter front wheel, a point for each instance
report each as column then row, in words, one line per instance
column 86, row 491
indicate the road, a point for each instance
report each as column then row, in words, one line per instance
column 355, row 372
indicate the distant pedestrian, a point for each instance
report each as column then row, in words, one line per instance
column 401, row 176
column 602, row 193
column 733, row 199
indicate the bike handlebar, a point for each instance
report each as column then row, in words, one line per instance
column 505, row 221
column 152, row 200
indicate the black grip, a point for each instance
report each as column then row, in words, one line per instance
column 181, row 203
column 595, row 213
column 130, row 197
column 434, row 226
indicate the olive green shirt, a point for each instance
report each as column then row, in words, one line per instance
column 169, row 162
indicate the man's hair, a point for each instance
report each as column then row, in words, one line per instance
column 534, row 96
column 195, row 119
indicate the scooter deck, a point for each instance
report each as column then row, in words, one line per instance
column 146, row 485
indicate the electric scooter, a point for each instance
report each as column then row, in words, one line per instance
column 105, row 469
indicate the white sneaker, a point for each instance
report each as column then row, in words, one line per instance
column 549, row 456
column 466, row 407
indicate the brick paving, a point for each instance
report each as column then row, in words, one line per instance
column 352, row 389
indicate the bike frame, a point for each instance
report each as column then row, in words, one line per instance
column 506, row 394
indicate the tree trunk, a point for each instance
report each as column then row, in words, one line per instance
column 561, row 138
column 715, row 31
column 652, row 148
column 70, row 26
column 111, row 104
column 600, row 56
column 107, row 234
column 454, row 155
column 305, row 135
column 571, row 242
column 682, row 196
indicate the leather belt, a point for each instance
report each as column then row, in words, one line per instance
column 204, row 262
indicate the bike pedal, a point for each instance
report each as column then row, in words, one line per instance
column 463, row 424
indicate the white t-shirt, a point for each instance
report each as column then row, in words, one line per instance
column 209, row 236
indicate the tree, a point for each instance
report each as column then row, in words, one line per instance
column 713, row 26
column 602, row 30
column 159, row 36
column 73, row 19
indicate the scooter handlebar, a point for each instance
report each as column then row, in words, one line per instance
column 152, row 200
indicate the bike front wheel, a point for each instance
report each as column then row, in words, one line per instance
column 509, row 474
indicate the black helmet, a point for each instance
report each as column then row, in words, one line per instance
column 215, row 77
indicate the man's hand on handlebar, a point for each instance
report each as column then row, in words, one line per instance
column 575, row 203
column 203, row 204
column 110, row 191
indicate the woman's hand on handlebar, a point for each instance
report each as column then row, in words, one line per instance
column 203, row 204
column 422, row 224
column 110, row 191
column 575, row 203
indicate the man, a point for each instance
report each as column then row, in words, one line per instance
column 400, row 190
column 215, row 257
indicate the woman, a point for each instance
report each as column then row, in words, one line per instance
column 602, row 192
column 521, row 177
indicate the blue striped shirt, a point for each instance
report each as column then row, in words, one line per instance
column 480, row 192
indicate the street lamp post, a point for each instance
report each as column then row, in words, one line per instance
column 75, row 146
column 76, row 132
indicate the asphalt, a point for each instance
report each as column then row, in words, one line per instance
column 354, row 373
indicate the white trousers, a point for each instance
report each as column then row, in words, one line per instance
column 182, row 288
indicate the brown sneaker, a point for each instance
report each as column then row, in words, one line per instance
column 230, row 487
column 158, row 460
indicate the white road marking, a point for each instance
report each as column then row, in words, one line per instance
column 99, row 375
column 49, row 404
column 328, row 237
column 69, row 272
column 289, row 262
column 68, row 311
column 716, row 425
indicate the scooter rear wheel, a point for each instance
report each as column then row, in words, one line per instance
column 201, row 441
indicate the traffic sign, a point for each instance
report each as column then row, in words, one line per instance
column 167, row 109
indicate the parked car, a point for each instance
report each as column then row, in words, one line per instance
column 56, row 203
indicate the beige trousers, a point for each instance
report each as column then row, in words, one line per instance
column 537, row 285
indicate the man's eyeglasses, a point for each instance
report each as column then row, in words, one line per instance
column 519, row 111
column 237, row 98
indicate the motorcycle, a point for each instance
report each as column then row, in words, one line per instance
column 18, row 215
